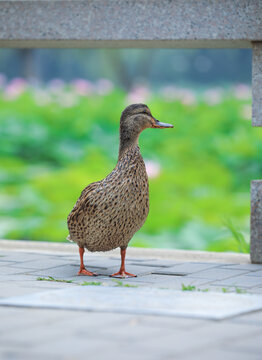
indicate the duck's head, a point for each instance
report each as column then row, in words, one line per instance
column 137, row 117
column 134, row 119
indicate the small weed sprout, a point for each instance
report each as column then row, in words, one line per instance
column 188, row 288
column 237, row 290
column 243, row 245
column 50, row 278
column 225, row 290
column 192, row 288
column 240, row 291
column 120, row 283
column 91, row 283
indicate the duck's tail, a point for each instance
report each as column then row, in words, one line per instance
column 69, row 238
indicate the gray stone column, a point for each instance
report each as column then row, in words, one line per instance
column 256, row 185
column 257, row 84
column 256, row 222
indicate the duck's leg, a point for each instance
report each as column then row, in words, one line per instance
column 82, row 270
column 122, row 272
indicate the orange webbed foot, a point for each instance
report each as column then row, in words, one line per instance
column 86, row 272
column 122, row 274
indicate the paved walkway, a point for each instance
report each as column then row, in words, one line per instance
column 38, row 333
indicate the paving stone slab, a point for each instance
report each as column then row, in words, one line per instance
column 68, row 271
column 251, row 344
column 253, row 318
column 244, row 280
column 218, row 273
column 133, row 269
column 255, row 291
column 95, row 265
column 7, row 263
column 156, row 263
column 9, row 271
column 248, row 267
column 169, row 272
column 8, row 290
column 145, row 301
column 24, row 256
column 41, row 264
column 185, row 268
column 92, row 262
column 138, row 260
column 153, row 279
column 256, row 273
column 8, row 352
column 167, row 281
column 24, row 277
column 218, row 354
column 178, row 283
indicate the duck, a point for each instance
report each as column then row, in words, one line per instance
column 110, row 211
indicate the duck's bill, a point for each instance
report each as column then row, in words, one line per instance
column 161, row 125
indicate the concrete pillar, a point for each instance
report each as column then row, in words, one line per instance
column 256, row 222
column 257, row 84
column 256, row 185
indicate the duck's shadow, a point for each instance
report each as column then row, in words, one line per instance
column 69, row 271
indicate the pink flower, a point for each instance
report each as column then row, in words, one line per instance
column 82, row 87
column 139, row 94
column 213, row 96
column 67, row 100
column 42, row 97
column 15, row 88
column 246, row 112
column 153, row 168
column 172, row 93
column 104, row 87
column 187, row 97
column 56, row 86
column 242, row 92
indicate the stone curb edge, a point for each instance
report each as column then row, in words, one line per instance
column 169, row 254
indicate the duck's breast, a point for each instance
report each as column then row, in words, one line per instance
column 121, row 209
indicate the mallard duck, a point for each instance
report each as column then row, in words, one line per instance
column 110, row 211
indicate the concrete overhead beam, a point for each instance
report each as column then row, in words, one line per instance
column 130, row 23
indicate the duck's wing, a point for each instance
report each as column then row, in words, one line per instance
column 84, row 207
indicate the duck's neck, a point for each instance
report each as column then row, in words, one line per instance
column 127, row 141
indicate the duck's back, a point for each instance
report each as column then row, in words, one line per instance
column 110, row 211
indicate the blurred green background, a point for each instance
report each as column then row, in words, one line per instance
column 59, row 119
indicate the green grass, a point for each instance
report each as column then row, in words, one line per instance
column 50, row 152
column 50, row 278
column 240, row 291
column 84, row 283
column 237, row 290
column 192, row 288
column 188, row 287
column 120, row 283
column 225, row 290
column 91, row 283
column 243, row 244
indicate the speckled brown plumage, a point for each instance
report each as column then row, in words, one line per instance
column 109, row 212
